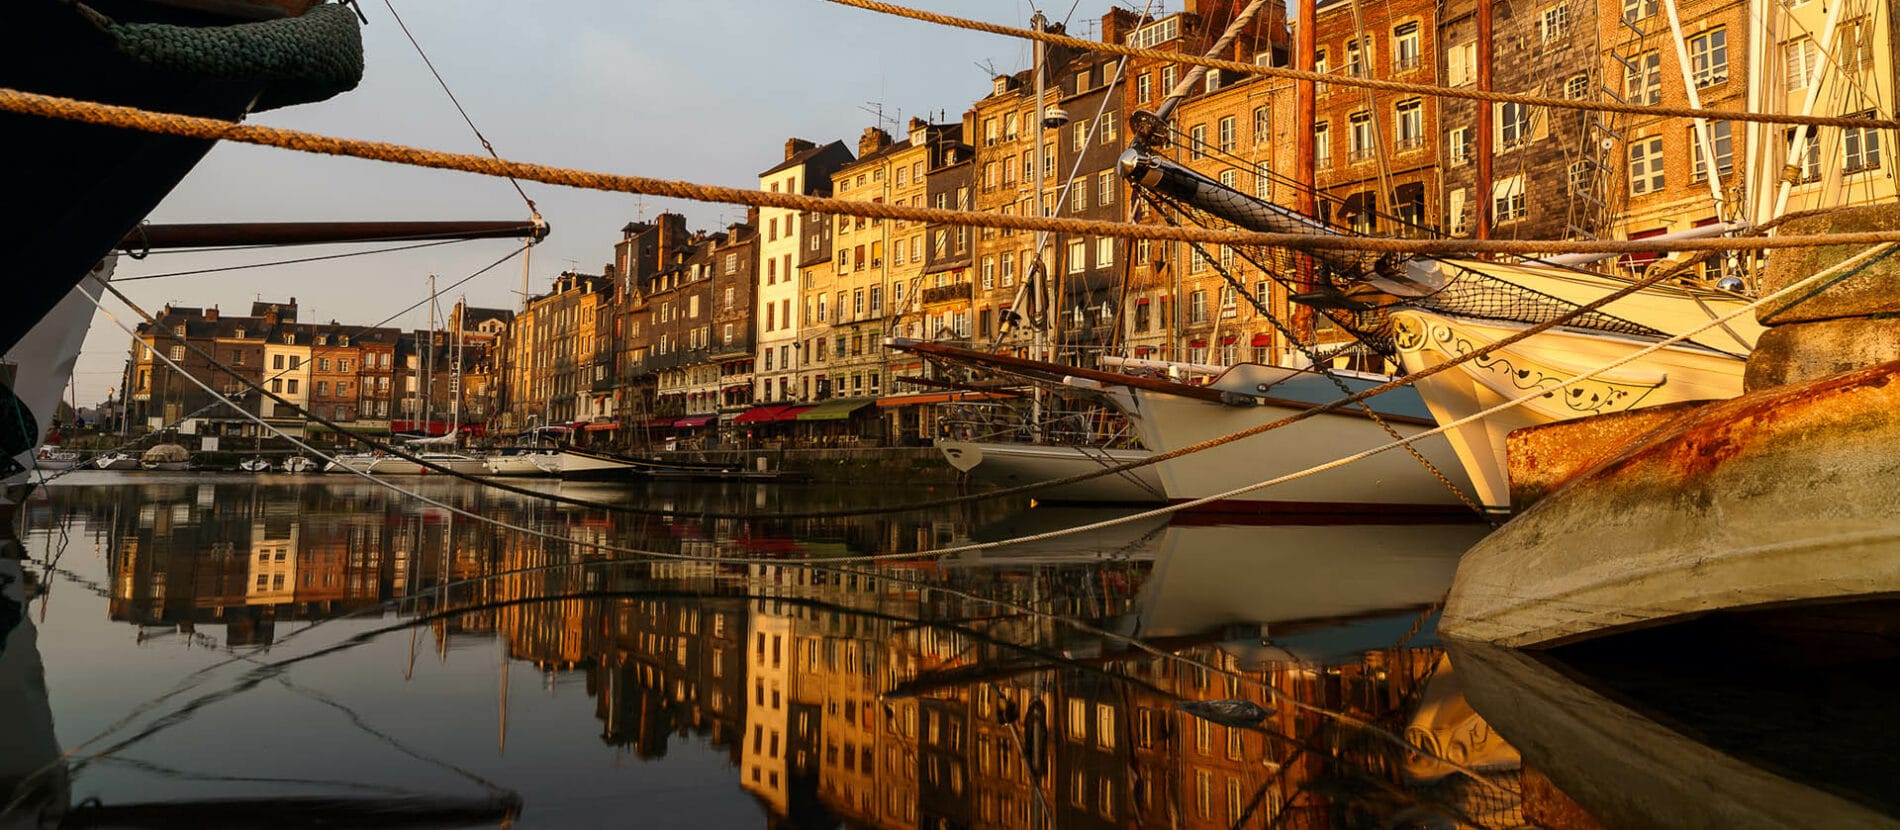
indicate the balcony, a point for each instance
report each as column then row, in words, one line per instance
column 1405, row 63
column 1362, row 154
column 1408, row 144
column 946, row 293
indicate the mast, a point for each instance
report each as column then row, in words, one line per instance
column 1305, row 163
column 1703, row 139
column 1042, row 293
column 455, row 374
column 1481, row 194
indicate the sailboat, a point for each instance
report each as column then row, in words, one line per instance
column 1424, row 312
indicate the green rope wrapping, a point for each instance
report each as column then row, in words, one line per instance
column 305, row 59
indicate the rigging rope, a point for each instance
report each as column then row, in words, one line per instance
column 1368, row 83
column 28, row 103
column 278, row 262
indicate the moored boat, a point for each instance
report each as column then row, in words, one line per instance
column 390, row 465
column 54, row 458
column 255, row 465
column 166, row 458
column 116, row 461
column 299, row 464
column 1012, row 464
column 522, row 464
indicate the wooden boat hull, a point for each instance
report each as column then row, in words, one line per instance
column 1780, row 496
column 1016, row 464
column 1389, row 483
column 1671, row 375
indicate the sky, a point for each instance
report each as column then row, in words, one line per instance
column 700, row 90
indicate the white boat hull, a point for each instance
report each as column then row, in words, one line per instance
column 1012, row 465
column 584, row 467
column 522, row 464
column 1391, row 482
column 58, row 461
column 116, row 461
column 393, row 466
column 43, row 364
column 1425, row 339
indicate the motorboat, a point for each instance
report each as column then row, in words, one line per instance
column 54, row 458
column 360, row 462
column 166, row 458
column 255, row 465
column 116, row 461
column 299, row 464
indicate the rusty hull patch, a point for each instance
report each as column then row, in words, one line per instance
column 1545, row 458
column 1704, row 441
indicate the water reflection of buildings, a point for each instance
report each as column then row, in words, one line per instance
column 869, row 700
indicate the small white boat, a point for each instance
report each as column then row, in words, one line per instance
column 54, row 458
column 116, row 461
column 580, row 465
column 255, row 465
column 1015, row 464
column 299, row 464
column 523, row 464
column 166, row 458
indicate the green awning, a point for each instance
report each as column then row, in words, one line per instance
column 835, row 410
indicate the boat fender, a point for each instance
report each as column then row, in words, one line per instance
column 1238, row 399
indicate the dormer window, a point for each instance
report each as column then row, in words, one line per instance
column 1001, row 85
column 290, row 339
column 343, row 340
column 240, row 334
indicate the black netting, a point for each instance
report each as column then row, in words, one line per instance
column 1472, row 293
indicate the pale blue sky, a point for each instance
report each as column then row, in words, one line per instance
column 704, row 90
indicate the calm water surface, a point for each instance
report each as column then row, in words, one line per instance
column 223, row 651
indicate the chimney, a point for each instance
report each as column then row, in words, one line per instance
column 873, row 140
column 794, row 146
column 672, row 235
column 211, row 314
column 1117, row 24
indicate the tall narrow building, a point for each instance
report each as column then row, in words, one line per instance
column 806, row 171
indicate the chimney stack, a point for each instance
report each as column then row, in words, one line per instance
column 873, row 140
column 794, row 146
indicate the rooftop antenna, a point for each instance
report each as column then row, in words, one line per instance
column 639, row 208
column 876, row 109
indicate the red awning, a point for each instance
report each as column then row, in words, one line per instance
column 603, row 426
column 1143, row 301
column 1263, row 339
column 1198, row 344
column 760, row 414
column 1229, row 340
column 694, row 421
column 661, row 422
column 790, row 413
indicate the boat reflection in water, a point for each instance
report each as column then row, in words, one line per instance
column 1769, row 718
column 1002, row 689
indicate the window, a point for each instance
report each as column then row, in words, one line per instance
column 176, row 352
column 1168, row 77
column 1634, row 10
column 1319, row 66
column 1322, row 146
column 1228, row 178
column 1105, row 128
column 1104, row 251
column 1810, row 161
column 1860, row 144
column 1507, row 199
column 1078, row 194
column 1105, row 725
column 1225, row 133
column 1459, row 212
column 1359, row 57
column 1078, row 256
column 1514, row 125
column 988, row 271
column 1802, row 55
column 1197, row 141
column 1197, row 305
column 1144, row 88
column 1582, row 176
column 1708, row 57
column 1646, row 165
column 1554, row 25
column 1262, row 124
column 1210, row 81
column 1079, row 136
column 1642, row 79
column 1720, row 136
column 1577, row 87
column 1409, row 131
column 1078, row 719
column 1461, row 64
column 1459, row 146
column 1105, row 187
column 1359, row 137
column 1405, row 51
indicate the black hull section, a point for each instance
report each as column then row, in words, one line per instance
column 75, row 190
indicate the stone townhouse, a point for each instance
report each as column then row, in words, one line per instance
column 806, row 170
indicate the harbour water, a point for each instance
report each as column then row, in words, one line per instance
column 235, row 651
